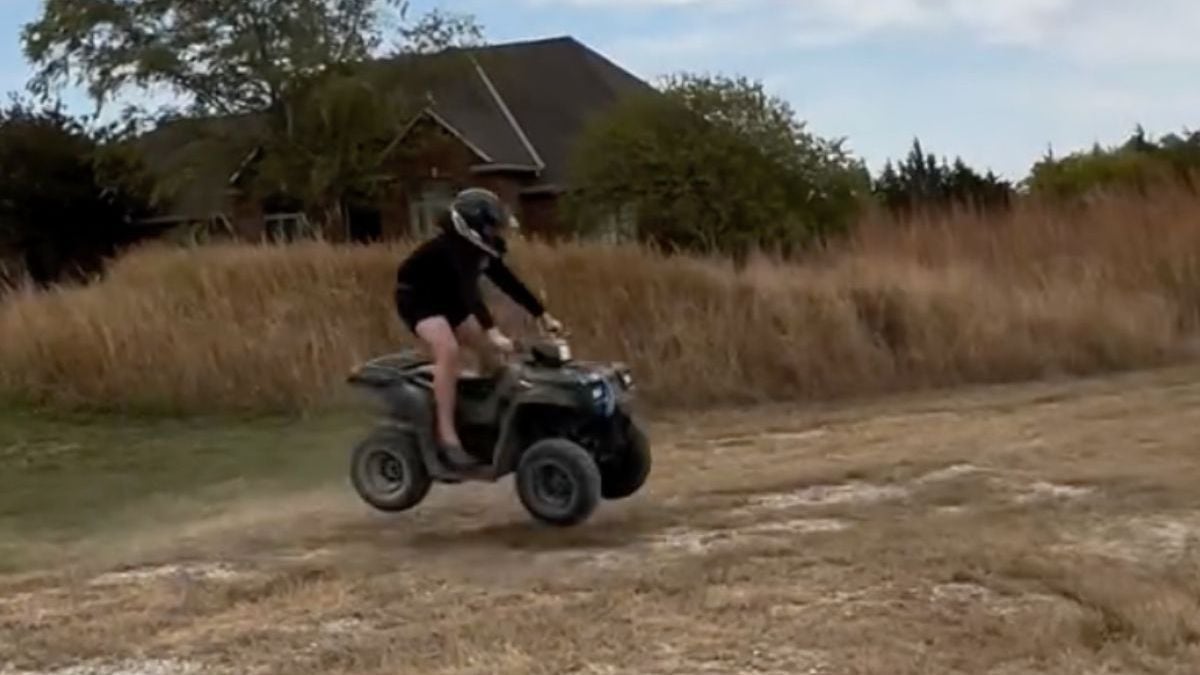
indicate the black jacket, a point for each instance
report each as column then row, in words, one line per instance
column 446, row 270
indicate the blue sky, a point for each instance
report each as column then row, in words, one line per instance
column 996, row 81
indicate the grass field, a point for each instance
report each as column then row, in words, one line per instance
column 958, row 298
column 1045, row 528
column 78, row 477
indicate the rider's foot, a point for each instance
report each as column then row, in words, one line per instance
column 459, row 457
column 452, row 449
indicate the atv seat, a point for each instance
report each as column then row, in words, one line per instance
column 385, row 370
column 408, row 359
column 475, row 386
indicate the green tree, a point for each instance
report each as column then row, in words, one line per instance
column 921, row 182
column 1138, row 164
column 713, row 163
column 70, row 197
column 221, row 57
column 306, row 76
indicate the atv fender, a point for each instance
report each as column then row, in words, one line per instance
column 411, row 410
column 509, row 443
column 433, row 464
column 408, row 401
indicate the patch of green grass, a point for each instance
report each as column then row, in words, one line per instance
column 68, row 476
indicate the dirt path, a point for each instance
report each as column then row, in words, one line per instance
column 1030, row 529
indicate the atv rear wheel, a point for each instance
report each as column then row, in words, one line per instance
column 388, row 472
column 558, row 482
column 627, row 473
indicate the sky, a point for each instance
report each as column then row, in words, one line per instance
column 997, row 82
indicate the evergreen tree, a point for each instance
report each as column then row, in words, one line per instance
column 921, row 182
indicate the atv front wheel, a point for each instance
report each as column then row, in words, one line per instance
column 558, row 482
column 387, row 471
column 627, row 472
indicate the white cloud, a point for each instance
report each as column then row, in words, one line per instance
column 1157, row 32
column 1123, row 31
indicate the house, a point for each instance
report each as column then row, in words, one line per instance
column 508, row 121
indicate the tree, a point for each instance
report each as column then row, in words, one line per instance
column 713, row 163
column 220, row 57
column 921, row 182
column 1137, row 164
column 68, row 199
column 305, row 69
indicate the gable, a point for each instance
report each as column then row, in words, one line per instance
column 466, row 104
column 517, row 106
column 195, row 158
column 553, row 89
column 524, row 104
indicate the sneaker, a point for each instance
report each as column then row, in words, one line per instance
column 458, row 457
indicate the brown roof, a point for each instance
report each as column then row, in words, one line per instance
column 518, row 105
column 196, row 157
column 542, row 93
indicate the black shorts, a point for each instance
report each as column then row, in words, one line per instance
column 415, row 306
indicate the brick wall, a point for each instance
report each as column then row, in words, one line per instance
column 435, row 157
column 247, row 218
column 540, row 217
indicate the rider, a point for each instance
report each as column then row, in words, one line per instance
column 438, row 297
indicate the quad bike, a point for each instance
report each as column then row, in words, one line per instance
column 564, row 427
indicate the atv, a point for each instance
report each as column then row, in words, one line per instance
column 564, row 427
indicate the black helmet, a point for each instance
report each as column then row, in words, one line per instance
column 480, row 217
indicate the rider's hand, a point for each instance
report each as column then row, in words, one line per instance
column 500, row 341
column 550, row 324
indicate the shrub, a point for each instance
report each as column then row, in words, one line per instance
column 713, row 164
column 67, row 200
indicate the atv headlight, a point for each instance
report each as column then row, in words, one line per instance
column 603, row 397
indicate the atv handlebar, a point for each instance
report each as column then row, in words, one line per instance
column 528, row 349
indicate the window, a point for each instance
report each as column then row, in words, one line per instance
column 620, row 226
column 429, row 202
column 288, row 227
column 284, row 219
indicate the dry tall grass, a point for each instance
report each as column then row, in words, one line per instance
column 937, row 302
column 1117, row 241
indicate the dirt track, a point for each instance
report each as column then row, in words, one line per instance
column 1030, row 529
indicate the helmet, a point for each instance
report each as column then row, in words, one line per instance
column 480, row 217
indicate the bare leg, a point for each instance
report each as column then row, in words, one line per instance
column 438, row 334
column 471, row 334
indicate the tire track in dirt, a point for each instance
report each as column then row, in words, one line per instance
column 768, row 553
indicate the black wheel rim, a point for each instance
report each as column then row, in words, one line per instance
column 553, row 486
column 385, row 473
